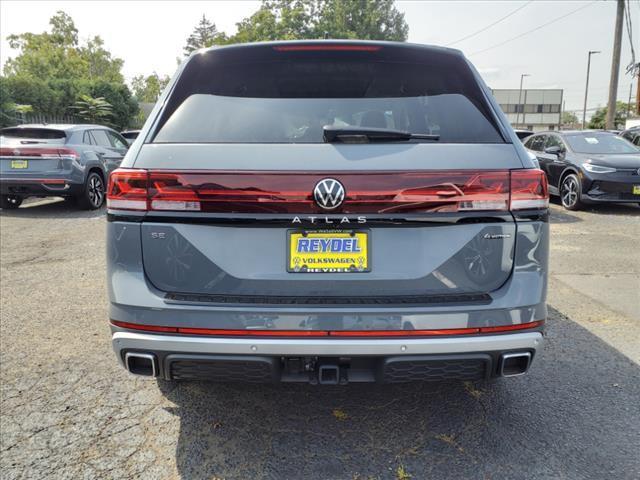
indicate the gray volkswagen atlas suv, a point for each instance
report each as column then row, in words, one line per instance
column 327, row 212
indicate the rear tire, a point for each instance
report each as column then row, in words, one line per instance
column 93, row 194
column 10, row 201
column 570, row 191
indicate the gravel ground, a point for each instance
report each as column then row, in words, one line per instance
column 69, row 411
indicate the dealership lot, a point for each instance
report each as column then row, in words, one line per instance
column 69, row 411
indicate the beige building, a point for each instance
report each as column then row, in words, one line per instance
column 537, row 110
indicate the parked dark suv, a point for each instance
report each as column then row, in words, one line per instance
column 588, row 166
column 327, row 212
column 71, row 161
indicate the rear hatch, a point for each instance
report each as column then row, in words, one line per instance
column 31, row 152
column 247, row 202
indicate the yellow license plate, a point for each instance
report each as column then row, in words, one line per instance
column 19, row 164
column 636, row 189
column 343, row 251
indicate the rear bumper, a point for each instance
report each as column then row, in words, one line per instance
column 356, row 360
column 41, row 187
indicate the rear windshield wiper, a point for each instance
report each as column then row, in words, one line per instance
column 371, row 134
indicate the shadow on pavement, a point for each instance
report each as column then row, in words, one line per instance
column 55, row 207
column 575, row 415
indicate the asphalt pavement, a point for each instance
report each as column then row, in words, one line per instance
column 67, row 410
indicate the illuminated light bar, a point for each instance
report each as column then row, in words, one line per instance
column 275, row 192
column 35, row 152
column 377, row 192
column 329, row 333
column 328, row 48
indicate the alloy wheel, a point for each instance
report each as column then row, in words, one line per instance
column 570, row 191
column 95, row 190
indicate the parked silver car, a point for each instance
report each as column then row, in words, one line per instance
column 70, row 161
column 327, row 212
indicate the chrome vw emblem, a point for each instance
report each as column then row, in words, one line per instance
column 328, row 193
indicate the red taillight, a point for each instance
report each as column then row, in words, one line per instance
column 173, row 192
column 35, row 152
column 127, row 189
column 291, row 192
column 529, row 189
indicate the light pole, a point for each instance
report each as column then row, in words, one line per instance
column 520, row 99
column 586, row 88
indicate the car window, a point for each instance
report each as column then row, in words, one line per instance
column 87, row 139
column 536, row 143
column 116, row 141
column 554, row 141
column 529, row 142
column 42, row 135
column 279, row 100
column 101, row 138
column 600, row 143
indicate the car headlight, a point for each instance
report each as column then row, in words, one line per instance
column 590, row 167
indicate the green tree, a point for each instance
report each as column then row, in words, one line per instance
column 57, row 54
column 93, row 110
column 52, row 70
column 124, row 106
column 148, row 89
column 205, row 34
column 569, row 118
column 313, row 19
column 100, row 64
column 598, row 119
column 279, row 20
column 362, row 19
column 49, row 54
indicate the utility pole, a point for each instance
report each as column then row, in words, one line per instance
column 615, row 68
column 638, row 93
column 586, row 88
column 520, row 99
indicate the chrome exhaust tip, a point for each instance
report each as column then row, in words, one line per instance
column 143, row 364
column 514, row 364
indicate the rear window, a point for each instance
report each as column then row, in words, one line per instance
column 38, row 135
column 288, row 97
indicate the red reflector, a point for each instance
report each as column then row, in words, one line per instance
column 509, row 328
column 328, row 333
column 149, row 328
column 403, row 333
column 127, row 189
column 254, row 333
column 342, row 48
column 56, row 181
column 529, row 189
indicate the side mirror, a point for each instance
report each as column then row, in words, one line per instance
column 555, row 150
